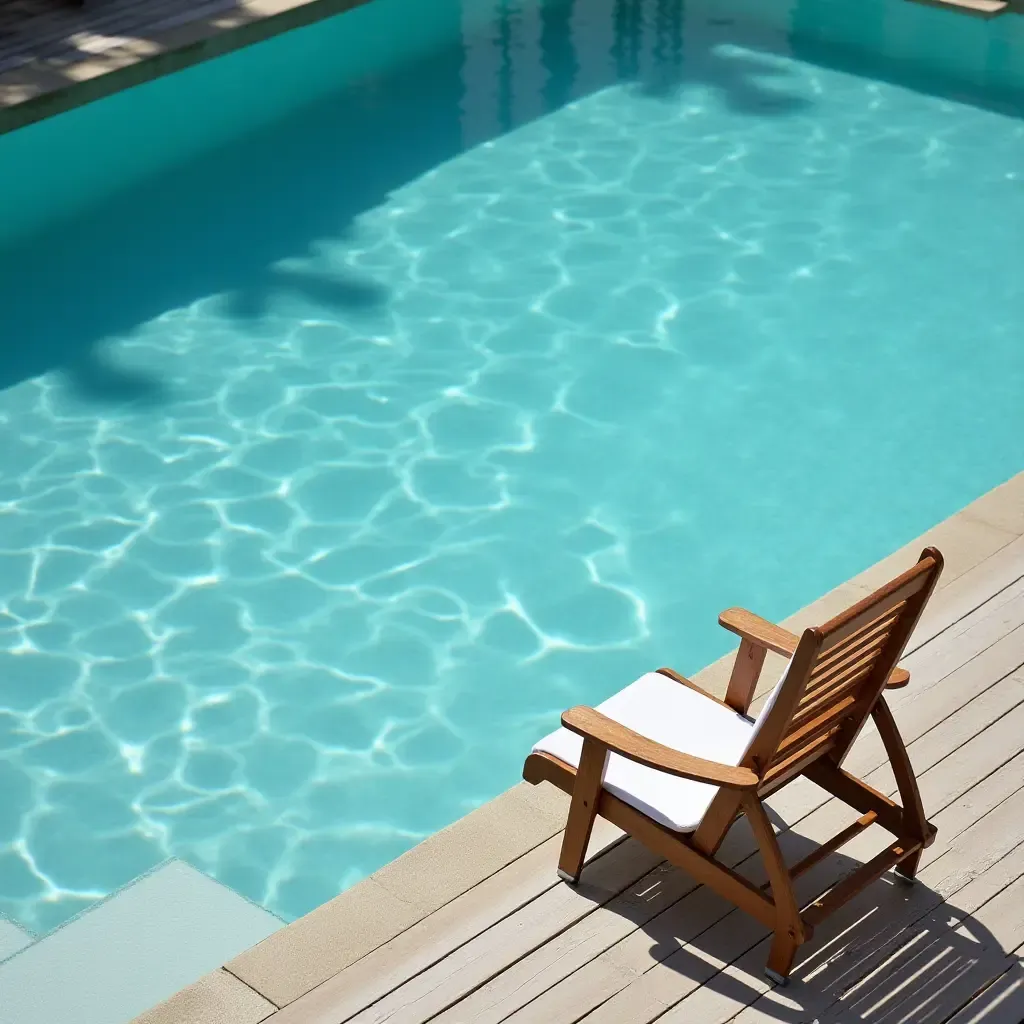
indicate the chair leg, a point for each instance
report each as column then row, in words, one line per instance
column 790, row 931
column 780, row 958
column 906, row 870
column 915, row 822
column 582, row 811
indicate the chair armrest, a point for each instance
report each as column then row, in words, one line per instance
column 592, row 725
column 759, row 631
column 766, row 634
column 898, row 678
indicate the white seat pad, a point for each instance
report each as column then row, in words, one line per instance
column 671, row 713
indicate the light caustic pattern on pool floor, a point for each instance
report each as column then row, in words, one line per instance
column 318, row 603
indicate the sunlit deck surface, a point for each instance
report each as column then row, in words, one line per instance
column 473, row 925
column 55, row 55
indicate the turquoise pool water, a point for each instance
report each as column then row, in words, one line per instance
column 337, row 459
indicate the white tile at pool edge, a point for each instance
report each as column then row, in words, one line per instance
column 131, row 951
column 216, row 998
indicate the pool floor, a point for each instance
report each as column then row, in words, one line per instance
column 337, row 463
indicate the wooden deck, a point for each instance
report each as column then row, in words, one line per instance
column 57, row 31
column 639, row 942
column 55, row 56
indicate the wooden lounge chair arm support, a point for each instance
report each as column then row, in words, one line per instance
column 758, row 631
column 592, row 725
column 898, row 678
column 758, row 636
column 836, row 679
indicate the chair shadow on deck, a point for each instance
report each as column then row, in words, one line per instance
column 894, row 954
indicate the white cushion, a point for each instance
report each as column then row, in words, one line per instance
column 767, row 706
column 671, row 713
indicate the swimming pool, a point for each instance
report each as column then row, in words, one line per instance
column 337, row 460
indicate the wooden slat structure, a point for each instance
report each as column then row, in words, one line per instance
column 56, row 55
column 641, row 940
column 66, row 32
column 834, row 682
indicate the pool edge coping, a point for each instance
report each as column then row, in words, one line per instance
column 44, row 88
column 305, row 954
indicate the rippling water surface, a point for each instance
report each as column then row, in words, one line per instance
column 336, row 463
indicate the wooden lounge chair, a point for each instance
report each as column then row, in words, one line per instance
column 674, row 767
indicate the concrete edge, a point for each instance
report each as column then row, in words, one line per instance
column 402, row 893
column 43, row 88
column 451, row 862
column 216, row 998
column 966, row 539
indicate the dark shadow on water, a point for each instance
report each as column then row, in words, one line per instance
column 220, row 224
column 96, row 375
column 741, row 79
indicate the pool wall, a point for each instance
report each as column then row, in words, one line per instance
column 54, row 168
column 59, row 166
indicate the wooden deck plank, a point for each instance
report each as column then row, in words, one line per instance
column 434, row 990
column 966, row 593
column 66, row 35
column 737, row 939
column 441, row 933
column 632, row 956
column 973, row 762
column 608, row 926
column 875, row 926
column 64, row 57
column 726, row 995
column 431, row 940
column 974, row 834
column 966, row 639
column 1000, row 1003
column 579, row 945
column 942, row 963
column 886, row 926
column 937, row 784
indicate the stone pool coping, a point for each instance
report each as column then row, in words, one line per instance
column 42, row 88
column 294, row 960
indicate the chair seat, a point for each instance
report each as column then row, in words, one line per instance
column 671, row 713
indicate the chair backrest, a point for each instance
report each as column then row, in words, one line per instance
column 836, row 676
column 831, row 685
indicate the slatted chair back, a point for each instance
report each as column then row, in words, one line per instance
column 832, row 684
